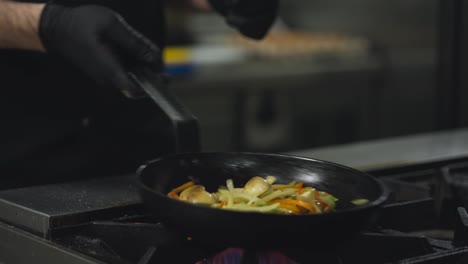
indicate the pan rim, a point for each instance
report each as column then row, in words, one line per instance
column 381, row 199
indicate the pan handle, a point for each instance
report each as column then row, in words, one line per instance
column 184, row 124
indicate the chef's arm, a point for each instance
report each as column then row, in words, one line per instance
column 19, row 25
column 95, row 40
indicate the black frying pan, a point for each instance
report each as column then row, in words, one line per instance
column 247, row 229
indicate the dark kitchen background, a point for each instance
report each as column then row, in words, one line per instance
column 330, row 72
column 376, row 85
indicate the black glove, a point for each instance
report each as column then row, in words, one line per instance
column 99, row 42
column 253, row 18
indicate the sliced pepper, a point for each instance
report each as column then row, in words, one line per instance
column 174, row 193
column 182, row 187
column 300, row 203
column 291, row 208
column 299, row 185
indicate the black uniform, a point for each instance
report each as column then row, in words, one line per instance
column 58, row 125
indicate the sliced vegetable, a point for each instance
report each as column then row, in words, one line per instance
column 289, row 208
column 230, row 185
column 182, row 187
column 310, row 207
column 277, row 194
column 308, row 196
column 197, row 194
column 228, row 197
column 174, row 193
column 256, row 186
column 299, row 185
column 260, row 195
column 270, row 179
column 244, row 207
column 359, row 201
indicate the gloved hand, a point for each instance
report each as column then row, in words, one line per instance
column 253, row 18
column 98, row 42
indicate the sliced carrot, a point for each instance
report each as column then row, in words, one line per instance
column 299, row 185
column 325, row 206
column 301, row 190
column 304, row 189
column 319, row 200
column 173, row 195
column 182, row 187
column 223, row 204
column 300, row 203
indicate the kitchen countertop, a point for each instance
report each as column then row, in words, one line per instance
column 276, row 72
column 396, row 151
column 265, row 68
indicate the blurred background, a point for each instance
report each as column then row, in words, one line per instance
column 330, row 72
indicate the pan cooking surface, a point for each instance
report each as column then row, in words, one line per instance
column 213, row 169
column 213, row 226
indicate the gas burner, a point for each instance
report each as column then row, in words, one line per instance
column 238, row 255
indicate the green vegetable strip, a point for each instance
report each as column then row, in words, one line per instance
column 277, row 194
column 244, row 207
column 230, row 185
column 328, row 199
column 270, row 179
column 230, row 199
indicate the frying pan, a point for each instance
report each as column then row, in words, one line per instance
column 222, row 227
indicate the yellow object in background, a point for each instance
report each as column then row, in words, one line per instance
column 177, row 55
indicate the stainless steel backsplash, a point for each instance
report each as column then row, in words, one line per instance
column 396, row 23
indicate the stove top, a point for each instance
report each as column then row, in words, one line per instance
column 40, row 209
column 103, row 221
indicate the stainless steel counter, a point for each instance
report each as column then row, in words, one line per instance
column 397, row 151
column 271, row 73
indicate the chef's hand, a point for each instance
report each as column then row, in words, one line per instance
column 98, row 42
column 253, row 18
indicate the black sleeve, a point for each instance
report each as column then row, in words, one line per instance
column 253, row 18
column 146, row 16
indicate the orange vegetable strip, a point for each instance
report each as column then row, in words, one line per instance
column 301, row 190
column 318, row 198
column 306, row 205
column 290, row 207
column 182, row 187
column 299, row 185
column 173, row 195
